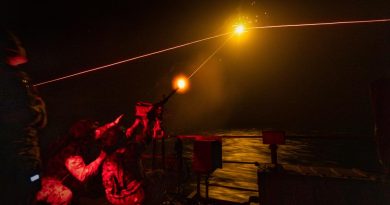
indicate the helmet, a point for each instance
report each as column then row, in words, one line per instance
column 11, row 49
column 83, row 128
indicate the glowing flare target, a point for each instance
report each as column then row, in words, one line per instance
column 239, row 29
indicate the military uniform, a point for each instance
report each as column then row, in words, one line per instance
column 22, row 115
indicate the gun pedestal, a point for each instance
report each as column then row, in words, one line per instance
column 274, row 153
column 206, row 182
column 273, row 138
column 156, row 112
column 154, row 142
column 154, row 153
column 207, row 157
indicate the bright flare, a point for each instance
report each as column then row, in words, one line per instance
column 180, row 83
column 239, row 29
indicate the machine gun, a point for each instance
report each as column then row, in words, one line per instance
column 154, row 113
column 156, row 110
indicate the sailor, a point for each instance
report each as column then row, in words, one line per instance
column 73, row 171
column 124, row 178
column 22, row 116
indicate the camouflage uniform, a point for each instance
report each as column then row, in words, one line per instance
column 22, row 115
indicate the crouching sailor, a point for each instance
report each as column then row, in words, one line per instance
column 124, row 178
column 73, row 171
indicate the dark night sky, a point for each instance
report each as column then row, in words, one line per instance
column 303, row 79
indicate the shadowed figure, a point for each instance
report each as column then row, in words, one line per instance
column 73, row 171
column 124, row 177
column 22, row 116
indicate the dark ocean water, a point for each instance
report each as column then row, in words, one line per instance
column 345, row 152
column 348, row 151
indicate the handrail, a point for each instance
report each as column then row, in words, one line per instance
column 335, row 137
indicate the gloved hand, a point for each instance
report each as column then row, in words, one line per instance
column 118, row 119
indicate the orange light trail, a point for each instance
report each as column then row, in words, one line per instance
column 208, row 58
column 209, row 38
column 128, row 60
column 322, row 24
column 286, row 26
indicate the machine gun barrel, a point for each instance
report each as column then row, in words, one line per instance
column 165, row 100
column 153, row 111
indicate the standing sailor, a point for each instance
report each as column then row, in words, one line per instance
column 22, row 115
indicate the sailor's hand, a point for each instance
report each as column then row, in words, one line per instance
column 102, row 154
column 129, row 132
